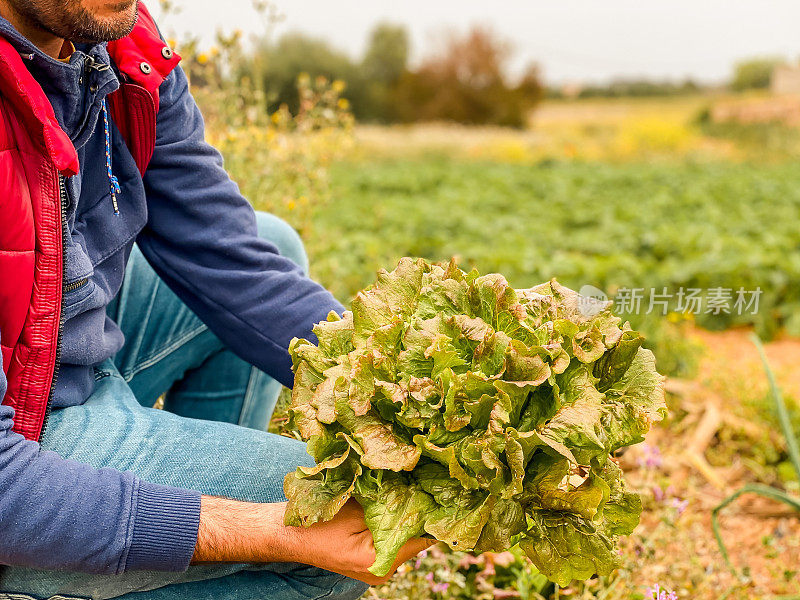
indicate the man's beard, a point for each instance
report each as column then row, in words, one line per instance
column 70, row 20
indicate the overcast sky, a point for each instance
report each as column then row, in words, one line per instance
column 573, row 40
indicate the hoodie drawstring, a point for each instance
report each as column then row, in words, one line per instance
column 113, row 181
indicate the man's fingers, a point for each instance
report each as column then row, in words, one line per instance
column 423, row 544
column 411, row 549
column 415, row 546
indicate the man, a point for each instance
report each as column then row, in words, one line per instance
column 101, row 146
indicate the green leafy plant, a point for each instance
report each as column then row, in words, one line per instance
column 756, row 488
column 450, row 405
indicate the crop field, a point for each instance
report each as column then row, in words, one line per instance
column 617, row 197
column 611, row 226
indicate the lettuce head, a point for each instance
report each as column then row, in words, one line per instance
column 452, row 406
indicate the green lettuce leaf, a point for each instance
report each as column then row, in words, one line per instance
column 395, row 511
column 317, row 494
column 564, row 547
column 460, row 515
column 506, row 520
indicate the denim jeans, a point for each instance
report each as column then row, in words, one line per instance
column 211, row 437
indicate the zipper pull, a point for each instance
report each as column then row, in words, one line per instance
column 115, row 189
column 90, row 64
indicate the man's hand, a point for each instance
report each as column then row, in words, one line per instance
column 344, row 545
column 233, row 531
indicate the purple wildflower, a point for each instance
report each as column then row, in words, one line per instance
column 658, row 593
column 420, row 556
column 662, row 494
column 679, row 505
column 658, row 493
column 436, row 588
column 651, row 457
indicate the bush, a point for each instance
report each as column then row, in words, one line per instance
column 467, row 83
column 639, row 88
column 754, row 73
column 276, row 67
column 384, row 64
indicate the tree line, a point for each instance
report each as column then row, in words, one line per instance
column 466, row 81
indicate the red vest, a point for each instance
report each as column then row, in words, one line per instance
column 34, row 150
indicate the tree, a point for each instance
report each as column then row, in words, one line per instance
column 754, row 73
column 383, row 65
column 466, row 83
column 277, row 66
column 387, row 54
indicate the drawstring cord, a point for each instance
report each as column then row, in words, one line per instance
column 114, row 182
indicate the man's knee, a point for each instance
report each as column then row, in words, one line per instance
column 350, row 589
column 280, row 233
column 312, row 582
column 298, row 581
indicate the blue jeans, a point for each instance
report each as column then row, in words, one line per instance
column 211, row 437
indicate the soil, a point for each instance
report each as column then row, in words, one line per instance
column 762, row 536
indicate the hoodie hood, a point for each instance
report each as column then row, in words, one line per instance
column 75, row 88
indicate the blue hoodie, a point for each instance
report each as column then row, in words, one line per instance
column 199, row 234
